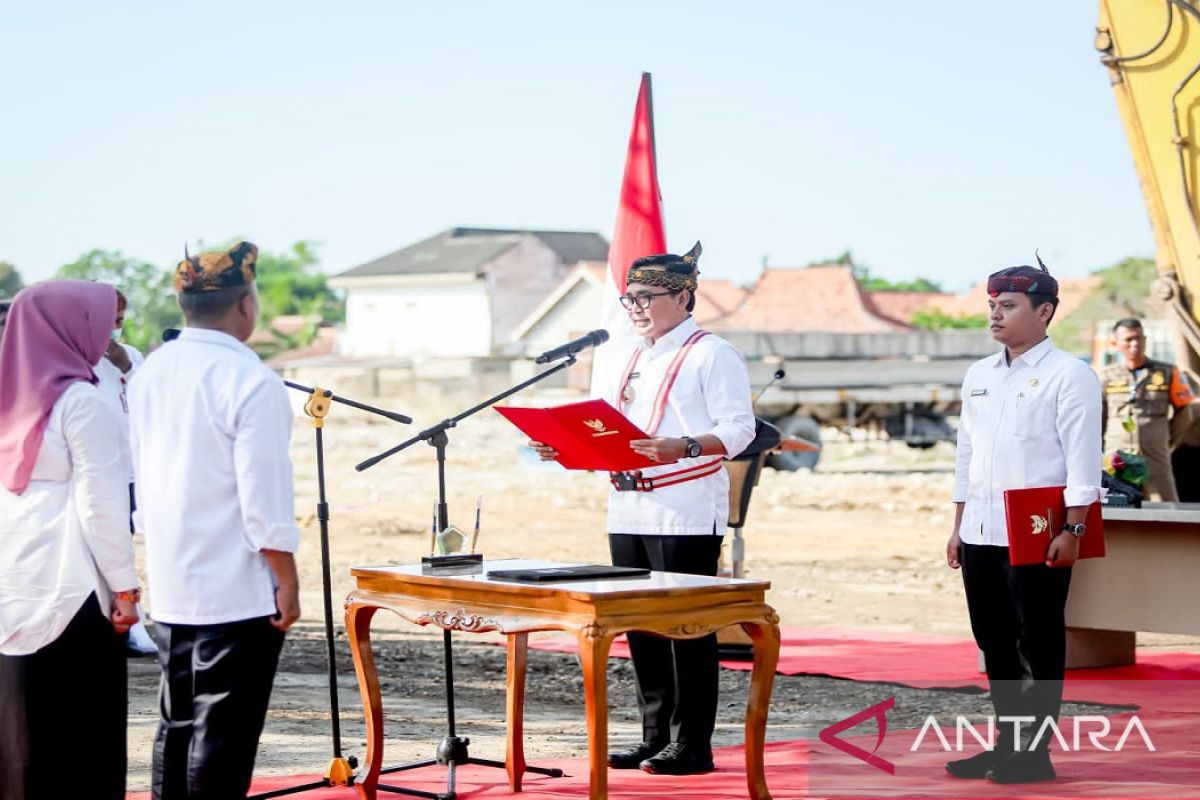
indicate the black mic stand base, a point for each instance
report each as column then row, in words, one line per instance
column 340, row 771
column 452, row 751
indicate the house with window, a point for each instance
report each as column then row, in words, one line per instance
column 458, row 294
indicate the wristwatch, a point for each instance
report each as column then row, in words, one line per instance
column 1076, row 529
column 693, row 447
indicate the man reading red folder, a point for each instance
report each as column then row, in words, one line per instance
column 688, row 390
column 1030, row 418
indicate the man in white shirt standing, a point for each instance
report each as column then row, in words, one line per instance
column 690, row 392
column 1030, row 418
column 210, row 427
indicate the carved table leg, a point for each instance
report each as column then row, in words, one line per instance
column 765, row 635
column 358, row 629
column 517, row 661
column 594, row 642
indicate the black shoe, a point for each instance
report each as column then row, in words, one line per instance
column 679, row 759
column 1027, row 767
column 633, row 757
column 977, row 766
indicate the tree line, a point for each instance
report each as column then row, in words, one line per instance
column 289, row 282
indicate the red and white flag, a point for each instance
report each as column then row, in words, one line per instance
column 637, row 232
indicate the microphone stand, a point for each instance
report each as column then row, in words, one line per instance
column 452, row 750
column 340, row 771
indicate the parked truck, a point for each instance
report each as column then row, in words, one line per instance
column 903, row 384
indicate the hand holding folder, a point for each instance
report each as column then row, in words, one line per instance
column 587, row 435
column 1035, row 516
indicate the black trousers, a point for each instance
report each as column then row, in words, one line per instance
column 1017, row 618
column 676, row 678
column 63, row 713
column 216, row 683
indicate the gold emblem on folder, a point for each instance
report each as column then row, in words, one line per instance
column 598, row 428
column 1038, row 524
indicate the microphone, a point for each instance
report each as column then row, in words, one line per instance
column 593, row 339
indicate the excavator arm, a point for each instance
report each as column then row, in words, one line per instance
column 1151, row 49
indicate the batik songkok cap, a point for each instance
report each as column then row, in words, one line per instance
column 1023, row 280
column 667, row 271
column 211, row 272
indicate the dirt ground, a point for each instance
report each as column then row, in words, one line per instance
column 858, row 543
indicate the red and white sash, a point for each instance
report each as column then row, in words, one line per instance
column 642, row 483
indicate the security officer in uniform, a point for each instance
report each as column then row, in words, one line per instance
column 1139, row 395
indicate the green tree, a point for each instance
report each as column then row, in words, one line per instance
column 10, row 280
column 873, row 283
column 292, row 283
column 1123, row 291
column 147, row 288
column 1126, row 285
column 935, row 319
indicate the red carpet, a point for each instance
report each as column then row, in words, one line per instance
column 1164, row 686
column 803, row 769
column 927, row 661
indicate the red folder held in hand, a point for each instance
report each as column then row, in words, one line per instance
column 588, row 435
column 1035, row 516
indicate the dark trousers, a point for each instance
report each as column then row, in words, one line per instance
column 63, row 714
column 1017, row 617
column 676, row 678
column 216, row 683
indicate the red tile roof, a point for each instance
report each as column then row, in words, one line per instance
column 901, row 306
column 821, row 298
column 716, row 299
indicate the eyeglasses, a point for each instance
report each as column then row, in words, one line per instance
column 642, row 299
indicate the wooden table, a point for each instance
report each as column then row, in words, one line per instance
column 673, row 605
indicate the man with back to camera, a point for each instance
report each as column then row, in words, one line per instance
column 210, row 428
column 1142, row 394
column 689, row 390
column 1030, row 418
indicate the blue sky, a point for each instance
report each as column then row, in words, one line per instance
column 934, row 138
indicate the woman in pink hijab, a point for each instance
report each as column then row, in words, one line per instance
column 68, row 582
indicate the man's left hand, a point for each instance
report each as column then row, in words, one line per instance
column 118, row 356
column 1064, row 550
column 664, row 449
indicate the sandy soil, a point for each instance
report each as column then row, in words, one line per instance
column 857, row 543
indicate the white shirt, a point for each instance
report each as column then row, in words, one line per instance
column 710, row 396
column 67, row 535
column 114, row 388
column 1033, row 423
column 211, row 425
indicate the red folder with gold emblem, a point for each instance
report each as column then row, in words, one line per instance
column 587, row 435
column 1035, row 516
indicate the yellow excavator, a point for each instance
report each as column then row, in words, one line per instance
column 1151, row 49
column 1146, row 583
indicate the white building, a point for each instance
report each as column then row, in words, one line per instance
column 458, row 294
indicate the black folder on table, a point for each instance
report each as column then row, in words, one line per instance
column 583, row 572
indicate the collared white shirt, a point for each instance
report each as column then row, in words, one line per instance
column 67, row 535
column 1034, row 422
column 710, row 396
column 114, row 388
column 210, row 427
